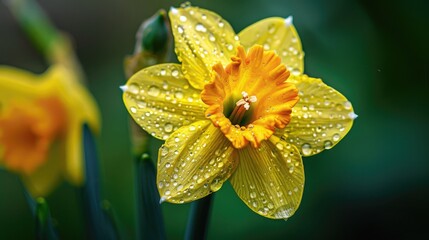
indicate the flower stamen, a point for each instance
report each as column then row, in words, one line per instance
column 241, row 106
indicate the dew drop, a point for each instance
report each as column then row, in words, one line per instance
column 336, row 137
column 168, row 127
column 180, row 29
column 200, row 28
column 133, row 88
column 284, row 212
column 266, row 47
column 347, row 105
column 252, row 195
column 167, row 165
column 295, row 71
column 175, row 73
column 178, row 95
column 133, row 109
column 212, row 38
column 221, row 24
column 154, row 91
column 306, row 149
column 279, row 146
column 216, row 184
column 164, row 150
column 327, row 144
column 183, row 18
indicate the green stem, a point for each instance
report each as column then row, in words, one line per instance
column 54, row 45
column 40, row 209
column 99, row 223
column 198, row 221
column 44, row 226
column 150, row 220
column 34, row 22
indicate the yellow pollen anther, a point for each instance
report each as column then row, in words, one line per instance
column 246, row 100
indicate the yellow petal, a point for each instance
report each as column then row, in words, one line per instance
column 81, row 109
column 74, row 153
column 202, row 39
column 270, row 179
column 41, row 182
column 17, row 84
column 63, row 83
column 320, row 119
column 277, row 34
column 160, row 100
column 194, row 162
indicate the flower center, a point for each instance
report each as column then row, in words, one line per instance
column 241, row 106
column 250, row 98
column 27, row 130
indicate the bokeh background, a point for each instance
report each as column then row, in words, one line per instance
column 374, row 184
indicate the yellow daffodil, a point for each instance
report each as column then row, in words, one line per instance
column 41, row 120
column 238, row 107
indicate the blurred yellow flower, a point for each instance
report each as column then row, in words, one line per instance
column 41, row 120
column 238, row 107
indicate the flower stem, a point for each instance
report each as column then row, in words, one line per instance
column 198, row 221
column 40, row 209
column 152, row 44
column 99, row 225
column 54, row 45
column 150, row 219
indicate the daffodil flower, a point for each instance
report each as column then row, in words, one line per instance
column 238, row 107
column 41, row 119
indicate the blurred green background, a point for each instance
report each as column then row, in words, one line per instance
column 374, row 184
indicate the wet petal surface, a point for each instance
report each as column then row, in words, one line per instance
column 270, row 179
column 161, row 100
column 202, row 39
column 320, row 119
column 194, row 162
column 280, row 35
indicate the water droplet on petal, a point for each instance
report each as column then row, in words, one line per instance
column 168, row 127
column 327, row 144
column 212, row 38
column 306, row 149
column 200, row 28
column 164, row 150
column 180, row 29
column 216, row 184
column 154, row 91
column 252, row 195
column 175, row 73
column 347, row 105
column 336, row 137
column 183, row 18
column 133, row 88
